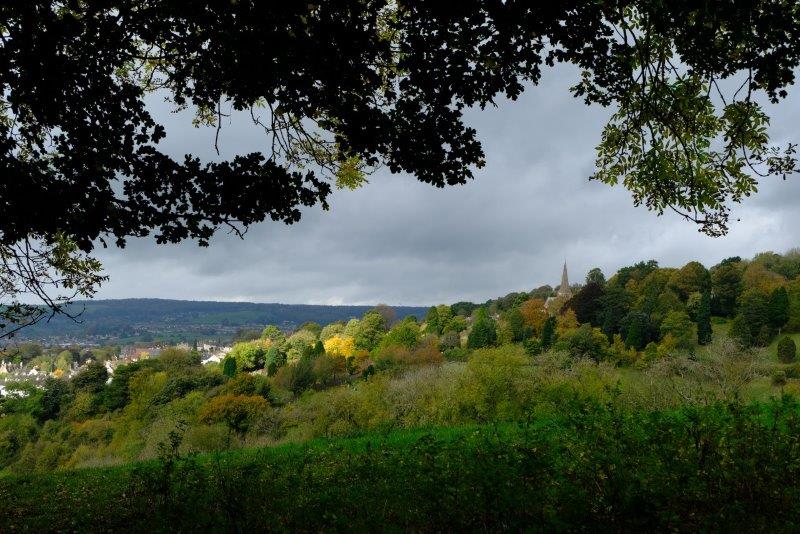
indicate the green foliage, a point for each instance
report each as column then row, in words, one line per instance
column 615, row 305
column 457, row 324
column 548, row 336
column 273, row 333
column 726, row 283
column 236, row 411
column 369, row 332
column 497, row 474
column 438, row 319
column 703, row 317
column 249, row 355
column 483, row 332
column 755, row 310
column 330, row 330
column 301, row 375
column 91, row 379
column 740, row 331
column 404, row 334
column 787, row 350
column 585, row 342
column 249, row 384
column 778, row 308
column 680, row 327
column 56, row 394
column 229, row 366
column 596, row 276
column 635, row 327
column 691, row 278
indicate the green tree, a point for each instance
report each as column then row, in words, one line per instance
column 370, row 330
column 92, row 378
column 330, row 330
column 585, row 342
column 778, row 308
column 483, row 332
column 432, row 321
column 681, row 328
column 614, row 306
column 548, row 336
column 635, row 327
column 274, row 359
column 691, row 278
column 754, row 306
column 406, row 334
column 273, row 333
column 302, row 375
column 787, row 350
column 229, row 366
column 726, row 286
column 457, row 324
column 596, row 276
column 740, row 331
column 55, row 395
column 249, row 356
column 237, row 412
column 515, row 322
column 704, row 332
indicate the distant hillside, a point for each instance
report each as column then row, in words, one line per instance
column 146, row 319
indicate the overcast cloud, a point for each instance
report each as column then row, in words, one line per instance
column 402, row 242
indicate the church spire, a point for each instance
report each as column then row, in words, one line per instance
column 564, row 289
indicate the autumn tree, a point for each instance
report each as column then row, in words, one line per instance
column 534, row 315
column 237, row 412
column 691, row 278
column 340, row 345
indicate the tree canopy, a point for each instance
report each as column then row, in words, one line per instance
column 341, row 87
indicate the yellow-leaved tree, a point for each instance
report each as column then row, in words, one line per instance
column 340, row 345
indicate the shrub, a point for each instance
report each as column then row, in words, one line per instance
column 764, row 337
column 740, row 331
column 787, row 350
column 585, row 342
column 236, row 411
column 248, row 384
column 779, row 378
column 457, row 354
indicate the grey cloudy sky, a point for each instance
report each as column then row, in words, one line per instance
column 402, row 242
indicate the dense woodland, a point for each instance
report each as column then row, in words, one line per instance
column 648, row 337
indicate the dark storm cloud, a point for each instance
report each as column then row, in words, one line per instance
column 399, row 241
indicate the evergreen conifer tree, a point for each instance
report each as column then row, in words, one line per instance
column 778, row 308
column 704, row 320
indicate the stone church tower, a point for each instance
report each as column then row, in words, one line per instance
column 564, row 290
column 554, row 304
